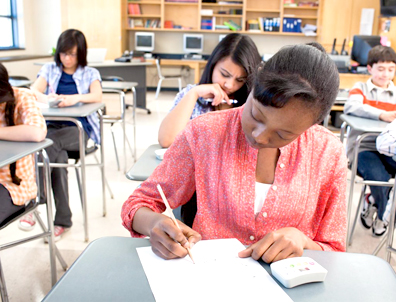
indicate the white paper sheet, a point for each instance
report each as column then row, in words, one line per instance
column 217, row 275
column 366, row 21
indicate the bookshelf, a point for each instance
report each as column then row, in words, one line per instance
column 264, row 17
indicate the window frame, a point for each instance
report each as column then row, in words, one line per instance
column 14, row 24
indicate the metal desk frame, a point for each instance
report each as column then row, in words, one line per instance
column 56, row 114
column 30, row 148
column 369, row 128
column 117, row 87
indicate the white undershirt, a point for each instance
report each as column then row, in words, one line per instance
column 260, row 196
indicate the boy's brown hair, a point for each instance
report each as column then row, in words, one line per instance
column 381, row 53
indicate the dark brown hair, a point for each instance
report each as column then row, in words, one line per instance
column 381, row 53
column 66, row 41
column 7, row 96
column 303, row 72
column 243, row 52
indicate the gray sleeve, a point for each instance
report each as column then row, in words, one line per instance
column 355, row 105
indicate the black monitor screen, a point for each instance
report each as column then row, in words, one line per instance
column 361, row 47
column 388, row 7
column 193, row 42
column 145, row 41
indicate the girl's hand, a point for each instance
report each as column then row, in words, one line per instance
column 168, row 242
column 277, row 245
column 212, row 91
column 53, row 96
column 68, row 100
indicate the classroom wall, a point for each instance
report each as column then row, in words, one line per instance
column 42, row 26
column 265, row 44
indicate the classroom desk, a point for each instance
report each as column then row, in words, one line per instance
column 368, row 127
column 12, row 151
column 125, row 86
column 109, row 269
column 71, row 114
column 20, row 83
column 145, row 165
column 131, row 72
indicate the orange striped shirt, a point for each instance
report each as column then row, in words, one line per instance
column 26, row 113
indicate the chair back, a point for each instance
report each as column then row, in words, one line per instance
column 157, row 62
column 112, row 78
column 19, row 78
column 115, row 105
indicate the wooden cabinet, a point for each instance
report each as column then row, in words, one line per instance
column 197, row 16
column 340, row 19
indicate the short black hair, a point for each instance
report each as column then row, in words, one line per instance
column 243, row 52
column 381, row 53
column 303, row 72
column 66, row 41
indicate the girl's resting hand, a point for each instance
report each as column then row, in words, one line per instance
column 277, row 245
column 68, row 100
column 168, row 242
column 212, row 91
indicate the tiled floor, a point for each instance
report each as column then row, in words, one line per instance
column 26, row 267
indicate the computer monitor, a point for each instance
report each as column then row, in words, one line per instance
column 361, row 47
column 192, row 43
column 221, row 37
column 144, row 41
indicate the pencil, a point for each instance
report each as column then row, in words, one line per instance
column 224, row 101
column 51, row 88
column 169, row 209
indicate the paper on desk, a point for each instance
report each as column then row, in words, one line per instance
column 218, row 275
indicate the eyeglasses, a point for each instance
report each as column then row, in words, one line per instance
column 67, row 54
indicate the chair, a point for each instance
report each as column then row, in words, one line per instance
column 20, row 78
column 75, row 155
column 365, row 183
column 116, row 116
column 47, row 231
column 167, row 77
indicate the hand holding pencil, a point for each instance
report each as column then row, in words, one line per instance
column 176, row 223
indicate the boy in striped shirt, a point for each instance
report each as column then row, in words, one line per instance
column 375, row 99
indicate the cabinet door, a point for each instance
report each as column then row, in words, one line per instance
column 341, row 20
column 336, row 22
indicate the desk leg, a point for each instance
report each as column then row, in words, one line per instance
column 102, row 161
column 50, row 216
column 134, row 124
column 83, row 180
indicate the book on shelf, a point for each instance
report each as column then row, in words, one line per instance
column 134, row 9
column 271, row 24
column 229, row 2
column 138, row 23
column 253, row 25
column 221, row 27
column 292, row 25
column 168, row 24
column 182, row 1
column 232, row 25
column 206, row 24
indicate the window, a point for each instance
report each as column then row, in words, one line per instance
column 9, row 25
